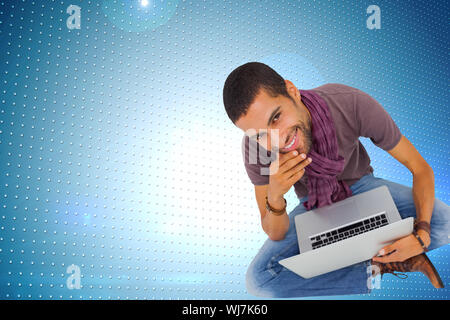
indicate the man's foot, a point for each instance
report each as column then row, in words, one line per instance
column 419, row 263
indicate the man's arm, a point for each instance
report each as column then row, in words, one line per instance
column 274, row 226
column 285, row 171
column 423, row 195
column 423, row 177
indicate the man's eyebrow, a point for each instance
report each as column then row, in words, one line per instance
column 269, row 121
column 273, row 115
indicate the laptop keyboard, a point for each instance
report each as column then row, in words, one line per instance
column 349, row 231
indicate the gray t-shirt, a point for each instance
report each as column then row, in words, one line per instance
column 355, row 114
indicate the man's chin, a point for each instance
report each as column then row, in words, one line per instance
column 300, row 150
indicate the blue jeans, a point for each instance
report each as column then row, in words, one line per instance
column 267, row 278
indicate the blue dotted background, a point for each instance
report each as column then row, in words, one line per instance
column 117, row 155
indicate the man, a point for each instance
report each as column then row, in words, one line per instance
column 314, row 135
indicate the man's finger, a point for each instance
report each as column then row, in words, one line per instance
column 392, row 257
column 282, row 158
column 387, row 250
column 386, row 253
column 298, row 167
column 292, row 162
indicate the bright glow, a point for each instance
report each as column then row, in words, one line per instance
column 144, row 3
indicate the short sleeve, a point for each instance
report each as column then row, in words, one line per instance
column 255, row 171
column 375, row 123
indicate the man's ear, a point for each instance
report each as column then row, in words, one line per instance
column 292, row 89
column 288, row 83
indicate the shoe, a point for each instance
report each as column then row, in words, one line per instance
column 419, row 263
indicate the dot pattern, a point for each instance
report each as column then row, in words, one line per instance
column 118, row 157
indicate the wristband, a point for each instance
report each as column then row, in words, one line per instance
column 277, row 212
column 425, row 249
column 422, row 225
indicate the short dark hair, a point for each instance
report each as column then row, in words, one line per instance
column 244, row 83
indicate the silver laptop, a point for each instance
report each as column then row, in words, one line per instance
column 346, row 232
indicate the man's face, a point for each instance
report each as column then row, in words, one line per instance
column 292, row 121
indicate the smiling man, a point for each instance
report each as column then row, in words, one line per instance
column 311, row 139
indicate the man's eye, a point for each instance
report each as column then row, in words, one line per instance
column 276, row 117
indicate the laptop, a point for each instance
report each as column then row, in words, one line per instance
column 346, row 232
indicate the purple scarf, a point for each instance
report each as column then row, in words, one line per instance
column 323, row 186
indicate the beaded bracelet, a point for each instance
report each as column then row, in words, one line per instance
column 425, row 249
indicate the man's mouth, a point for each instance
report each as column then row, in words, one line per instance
column 293, row 142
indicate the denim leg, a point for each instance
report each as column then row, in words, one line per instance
column 267, row 278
